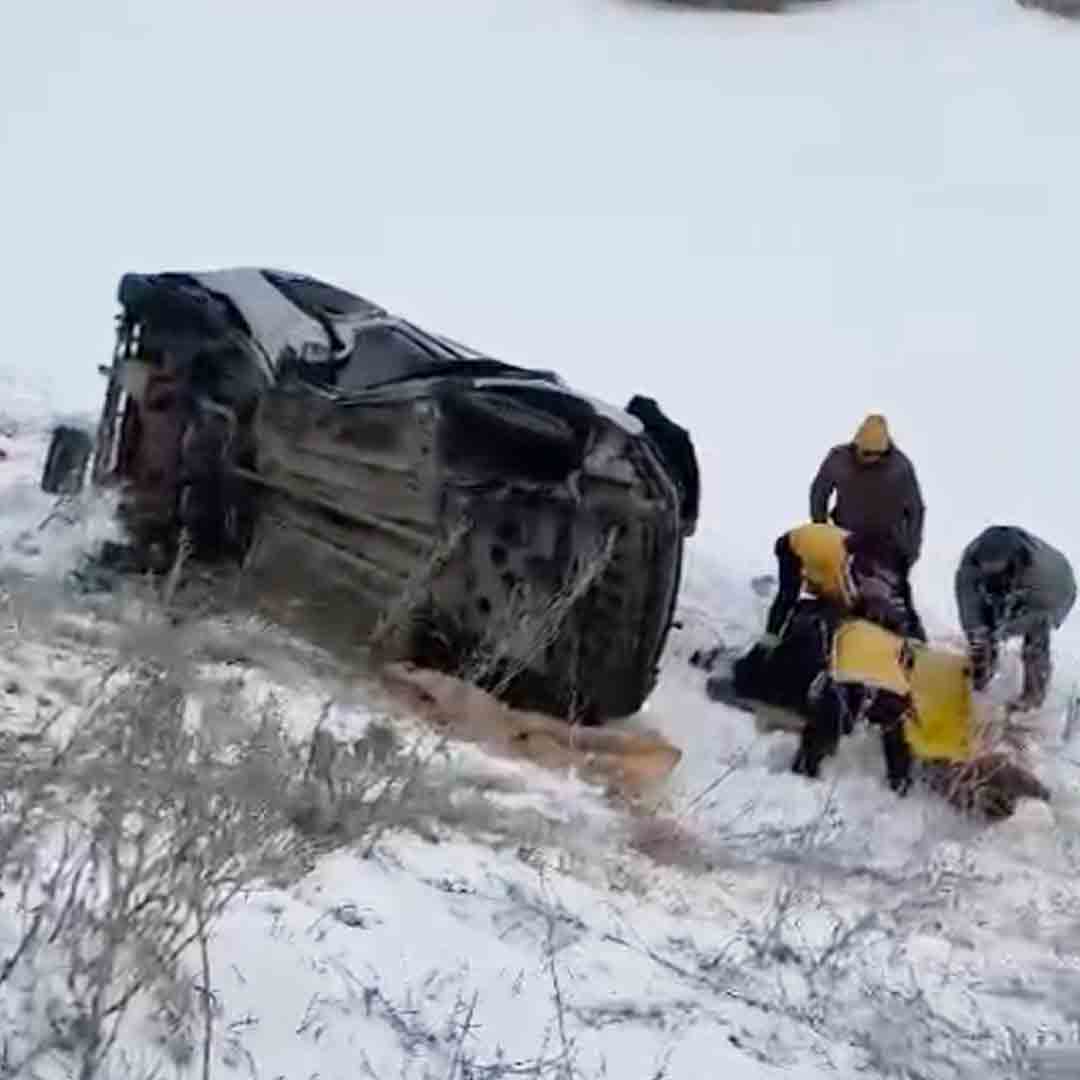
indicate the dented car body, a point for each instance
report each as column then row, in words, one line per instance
column 415, row 494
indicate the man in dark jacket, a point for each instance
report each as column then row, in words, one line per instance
column 876, row 488
column 677, row 451
column 1012, row 584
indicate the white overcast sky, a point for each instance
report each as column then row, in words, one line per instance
column 771, row 224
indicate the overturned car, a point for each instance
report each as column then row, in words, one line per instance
column 418, row 496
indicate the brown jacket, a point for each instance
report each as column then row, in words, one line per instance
column 879, row 497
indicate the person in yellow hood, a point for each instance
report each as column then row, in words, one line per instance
column 876, row 488
column 854, row 573
column 864, row 611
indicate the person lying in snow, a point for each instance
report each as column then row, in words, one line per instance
column 831, row 671
column 1010, row 583
column 861, row 573
column 876, row 488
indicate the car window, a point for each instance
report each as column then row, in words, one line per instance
column 383, row 353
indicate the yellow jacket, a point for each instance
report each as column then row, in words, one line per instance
column 939, row 724
column 822, row 551
column 866, row 654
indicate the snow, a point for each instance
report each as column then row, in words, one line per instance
column 772, row 224
column 760, row 925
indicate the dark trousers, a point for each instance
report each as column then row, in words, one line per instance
column 835, row 709
column 1034, row 655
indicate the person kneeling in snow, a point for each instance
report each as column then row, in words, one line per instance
column 1010, row 583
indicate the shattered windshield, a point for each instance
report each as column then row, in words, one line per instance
column 387, row 352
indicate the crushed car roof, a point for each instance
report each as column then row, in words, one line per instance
column 356, row 342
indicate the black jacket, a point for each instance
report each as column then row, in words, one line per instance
column 677, row 451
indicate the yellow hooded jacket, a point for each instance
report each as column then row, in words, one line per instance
column 873, row 435
column 822, row 551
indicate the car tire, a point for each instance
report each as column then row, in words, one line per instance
column 65, row 464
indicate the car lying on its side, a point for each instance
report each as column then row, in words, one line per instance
column 486, row 517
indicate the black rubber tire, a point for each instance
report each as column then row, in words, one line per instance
column 65, row 464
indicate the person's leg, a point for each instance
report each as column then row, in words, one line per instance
column 821, row 735
column 1035, row 655
column 983, row 653
column 888, row 711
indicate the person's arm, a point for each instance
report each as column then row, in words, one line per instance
column 822, row 487
column 789, row 567
column 915, row 627
column 914, row 513
column 970, row 605
column 977, row 621
column 1035, row 656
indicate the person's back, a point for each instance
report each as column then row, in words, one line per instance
column 1050, row 582
column 822, row 551
column 876, row 488
column 1007, row 576
column 812, row 557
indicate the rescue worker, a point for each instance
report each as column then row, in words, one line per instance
column 918, row 697
column 855, row 650
column 677, row 451
column 876, row 488
column 866, row 678
column 1010, row 583
column 857, row 573
column 861, row 613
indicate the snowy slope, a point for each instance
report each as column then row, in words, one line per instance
column 757, row 925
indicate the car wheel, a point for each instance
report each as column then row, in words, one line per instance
column 65, row 464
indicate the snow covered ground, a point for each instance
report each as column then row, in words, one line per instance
column 515, row 923
column 774, row 224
